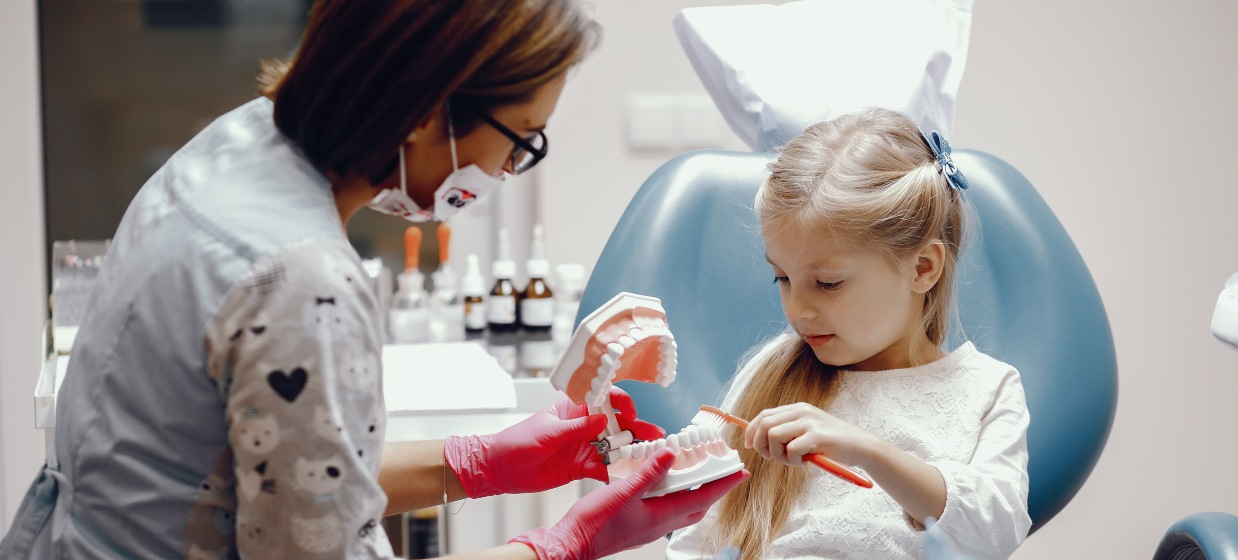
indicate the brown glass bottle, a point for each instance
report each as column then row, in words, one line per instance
column 537, row 306
column 502, row 304
column 474, row 291
column 504, row 300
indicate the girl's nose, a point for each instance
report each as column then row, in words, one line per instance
column 799, row 307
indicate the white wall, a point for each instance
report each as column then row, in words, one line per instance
column 589, row 163
column 1123, row 115
column 1120, row 112
column 22, row 293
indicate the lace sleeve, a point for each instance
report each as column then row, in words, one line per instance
column 986, row 499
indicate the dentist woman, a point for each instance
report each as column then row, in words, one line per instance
column 224, row 399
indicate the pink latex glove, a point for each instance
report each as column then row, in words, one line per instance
column 615, row 518
column 546, row 450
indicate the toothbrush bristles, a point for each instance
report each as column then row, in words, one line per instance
column 712, row 417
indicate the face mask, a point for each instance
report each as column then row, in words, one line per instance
column 460, row 189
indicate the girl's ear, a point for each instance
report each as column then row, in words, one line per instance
column 928, row 266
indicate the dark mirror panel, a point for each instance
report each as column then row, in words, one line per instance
column 127, row 83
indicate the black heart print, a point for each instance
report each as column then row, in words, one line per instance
column 288, row 385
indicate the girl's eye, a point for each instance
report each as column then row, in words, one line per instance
column 829, row 286
column 782, row 280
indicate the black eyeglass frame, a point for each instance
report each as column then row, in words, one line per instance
column 521, row 143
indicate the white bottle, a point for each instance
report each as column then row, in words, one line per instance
column 448, row 308
column 473, row 293
column 570, row 278
column 537, row 304
column 410, row 313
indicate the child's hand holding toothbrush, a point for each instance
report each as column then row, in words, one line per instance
column 787, row 433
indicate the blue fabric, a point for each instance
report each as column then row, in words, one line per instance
column 26, row 539
column 690, row 237
column 1208, row 535
column 941, row 150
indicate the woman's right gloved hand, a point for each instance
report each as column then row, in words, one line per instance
column 546, row 450
column 615, row 518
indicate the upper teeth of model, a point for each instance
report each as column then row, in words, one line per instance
column 667, row 362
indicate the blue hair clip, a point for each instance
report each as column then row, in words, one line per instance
column 941, row 150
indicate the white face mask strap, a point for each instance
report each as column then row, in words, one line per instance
column 451, row 136
column 403, row 175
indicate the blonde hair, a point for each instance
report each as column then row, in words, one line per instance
column 867, row 177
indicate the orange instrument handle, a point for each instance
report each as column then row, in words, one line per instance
column 412, row 247
column 444, row 242
column 829, row 465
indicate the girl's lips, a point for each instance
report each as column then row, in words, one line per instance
column 817, row 339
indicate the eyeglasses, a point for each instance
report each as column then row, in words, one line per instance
column 528, row 151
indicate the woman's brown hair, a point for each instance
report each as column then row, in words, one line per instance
column 368, row 72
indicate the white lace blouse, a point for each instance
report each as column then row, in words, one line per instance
column 965, row 414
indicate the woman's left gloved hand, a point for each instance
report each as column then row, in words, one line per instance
column 546, row 450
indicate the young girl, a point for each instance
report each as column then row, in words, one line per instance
column 863, row 218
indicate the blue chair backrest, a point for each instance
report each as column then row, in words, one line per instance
column 690, row 237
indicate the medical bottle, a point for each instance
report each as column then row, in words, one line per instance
column 537, row 304
column 448, row 309
column 410, row 313
column 570, row 279
column 473, row 292
column 502, row 304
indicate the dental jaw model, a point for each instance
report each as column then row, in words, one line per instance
column 628, row 338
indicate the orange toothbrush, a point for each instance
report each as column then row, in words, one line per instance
column 846, row 473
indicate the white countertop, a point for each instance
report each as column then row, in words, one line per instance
column 432, row 391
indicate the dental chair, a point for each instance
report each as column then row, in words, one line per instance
column 690, row 237
column 1202, row 536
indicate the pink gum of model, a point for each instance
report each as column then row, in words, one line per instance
column 628, row 338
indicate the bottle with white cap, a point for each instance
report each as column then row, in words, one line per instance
column 569, row 285
column 502, row 303
column 409, row 317
column 473, row 290
column 448, row 309
column 537, row 304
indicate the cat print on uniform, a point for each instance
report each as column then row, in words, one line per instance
column 360, row 372
column 319, row 477
column 317, row 535
column 253, row 481
column 341, row 272
column 251, row 533
column 327, row 425
column 258, row 434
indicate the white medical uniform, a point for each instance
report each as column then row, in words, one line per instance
column 224, row 396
